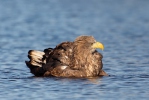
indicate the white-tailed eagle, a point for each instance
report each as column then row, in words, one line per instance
column 68, row 59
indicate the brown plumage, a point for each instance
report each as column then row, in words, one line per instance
column 68, row 59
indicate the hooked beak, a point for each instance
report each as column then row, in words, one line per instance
column 98, row 45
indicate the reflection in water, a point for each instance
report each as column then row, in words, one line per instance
column 95, row 80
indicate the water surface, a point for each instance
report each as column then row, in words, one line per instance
column 122, row 26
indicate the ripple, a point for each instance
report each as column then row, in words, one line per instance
column 121, row 25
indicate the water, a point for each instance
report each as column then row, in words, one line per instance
column 122, row 26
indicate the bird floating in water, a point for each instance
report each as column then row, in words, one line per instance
column 68, row 59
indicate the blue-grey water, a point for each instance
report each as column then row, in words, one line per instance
column 121, row 25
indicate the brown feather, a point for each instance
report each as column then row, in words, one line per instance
column 68, row 59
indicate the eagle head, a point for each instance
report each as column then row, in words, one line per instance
column 89, row 43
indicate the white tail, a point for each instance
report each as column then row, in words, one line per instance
column 36, row 58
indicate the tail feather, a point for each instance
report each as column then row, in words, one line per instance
column 38, row 54
column 37, row 71
column 37, row 60
column 36, row 57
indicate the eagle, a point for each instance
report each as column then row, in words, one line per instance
column 78, row 58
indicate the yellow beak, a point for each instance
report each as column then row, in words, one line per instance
column 98, row 45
